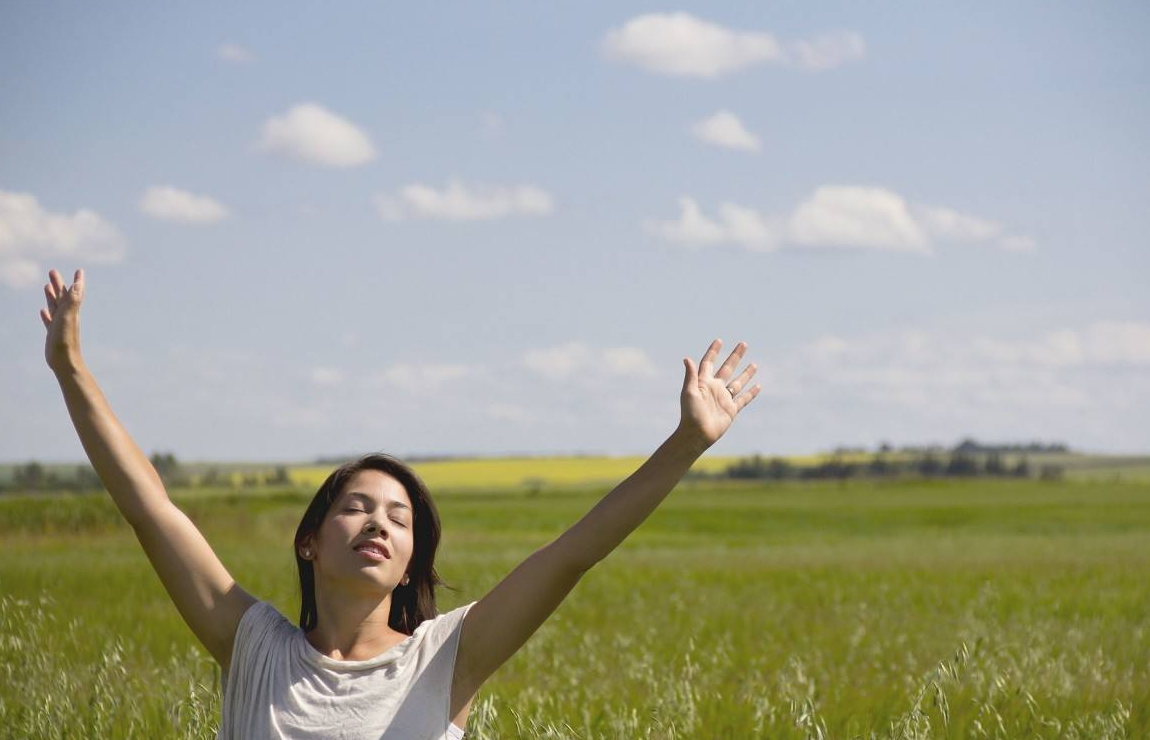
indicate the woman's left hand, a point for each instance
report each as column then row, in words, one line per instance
column 709, row 402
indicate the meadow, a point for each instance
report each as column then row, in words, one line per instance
column 862, row 609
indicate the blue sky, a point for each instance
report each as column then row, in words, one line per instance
column 483, row 229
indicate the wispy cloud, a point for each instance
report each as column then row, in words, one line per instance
column 313, row 134
column 932, row 371
column 460, row 202
column 726, row 130
column 234, row 53
column 679, row 44
column 828, row 50
column 327, row 376
column 422, row 377
column 30, row 234
column 736, row 225
column 838, row 216
column 578, row 360
column 172, row 204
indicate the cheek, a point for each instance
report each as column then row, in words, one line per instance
column 408, row 543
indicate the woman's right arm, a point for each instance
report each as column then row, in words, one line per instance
column 207, row 597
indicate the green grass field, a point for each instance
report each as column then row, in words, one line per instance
column 941, row 609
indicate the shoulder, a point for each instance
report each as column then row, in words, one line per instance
column 263, row 612
column 442, row 627
column 262, row 624
column 262, row 632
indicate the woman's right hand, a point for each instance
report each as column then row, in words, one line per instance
column 62, row 320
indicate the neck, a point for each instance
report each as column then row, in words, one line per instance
column 351, row 626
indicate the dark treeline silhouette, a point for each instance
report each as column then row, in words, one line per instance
column 974, row 447
column 34, row 477
column 968, row 459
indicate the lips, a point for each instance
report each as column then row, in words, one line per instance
column 374, row 547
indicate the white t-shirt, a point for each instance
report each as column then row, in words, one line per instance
column 279, row 686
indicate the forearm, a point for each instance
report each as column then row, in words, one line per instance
column 621, row 511
column 125, row 472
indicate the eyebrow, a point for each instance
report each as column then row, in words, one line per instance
column 389, row 505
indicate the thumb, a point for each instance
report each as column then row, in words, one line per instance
column 691, row 379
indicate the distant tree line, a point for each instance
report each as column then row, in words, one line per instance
column 970, row 446
column 968, row 459
column 34, row 476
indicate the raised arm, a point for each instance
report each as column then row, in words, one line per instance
column 207, row 597
column 500, row 623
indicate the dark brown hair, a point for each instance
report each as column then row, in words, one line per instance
column 410, row 604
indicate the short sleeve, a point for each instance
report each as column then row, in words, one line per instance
column 254, row 636
column 446, row 627
column 434, row 664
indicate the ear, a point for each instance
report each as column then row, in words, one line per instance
column 307, row 549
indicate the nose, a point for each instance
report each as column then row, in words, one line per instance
column 373, row 527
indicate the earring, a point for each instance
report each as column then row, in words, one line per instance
column 405, row 580
column 307, row 553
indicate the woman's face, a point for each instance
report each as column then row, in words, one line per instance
column 373, row 507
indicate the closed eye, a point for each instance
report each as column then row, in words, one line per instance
column 399, row 523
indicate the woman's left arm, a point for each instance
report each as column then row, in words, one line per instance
column 502, row 621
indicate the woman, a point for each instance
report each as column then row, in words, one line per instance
column 370, row 658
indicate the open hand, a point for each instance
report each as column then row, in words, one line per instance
column 62, row 320
column 710, row 402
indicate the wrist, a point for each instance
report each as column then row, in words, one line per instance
column 689, row 442
column 70, row 367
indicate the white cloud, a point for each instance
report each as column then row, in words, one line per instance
column 856, row 217
column 682, row 45
column 326, row 376
column 726, row 130
column 234, row 53
column 828, row 50
column 1101, row 344
column 315, row 135
column 628, row 362
column 837, row 216
column 947, row 224
column 460, row 202
column 559, row 362
column 1118, row 343
column 29, row 235
column 172, row 204
column 959, row 379
column 423, row 377
column 691, row 228
column 575, row 359
column 18, row 272
column 739, row 225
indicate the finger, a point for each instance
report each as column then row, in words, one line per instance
column 51, row 296
column 728, row 367
column 746, row 398
column 57, row 283
column 691, row 379
column 709, row 358
column 46, row 317
column 78, row 284
column 738, row 383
